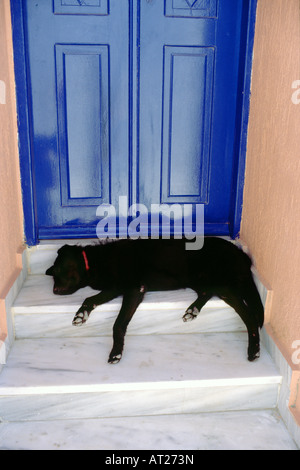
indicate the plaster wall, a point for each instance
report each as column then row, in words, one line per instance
column 11, row 214
column 271, row 211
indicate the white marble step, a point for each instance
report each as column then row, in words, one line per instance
column 69, row 378
column 238, row 430
column 40, row 313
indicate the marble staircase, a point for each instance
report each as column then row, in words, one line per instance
column 178, row 386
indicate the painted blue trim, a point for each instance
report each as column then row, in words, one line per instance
column 130, row 104
column 23, row 113
column 242, row 117
column 138, row 97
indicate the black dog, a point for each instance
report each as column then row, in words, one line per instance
column 132, row 267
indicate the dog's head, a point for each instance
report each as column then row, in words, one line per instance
column 68, row 270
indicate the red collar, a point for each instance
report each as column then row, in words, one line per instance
column 85, row 260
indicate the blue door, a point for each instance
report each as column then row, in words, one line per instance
column 131, row 98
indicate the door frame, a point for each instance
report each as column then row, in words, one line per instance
column 24, row 115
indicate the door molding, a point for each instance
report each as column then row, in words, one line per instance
column 242, row 116
column 24, row 119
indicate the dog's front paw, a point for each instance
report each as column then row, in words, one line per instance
column 81, row 317
column 114, row 359
column 190, row 314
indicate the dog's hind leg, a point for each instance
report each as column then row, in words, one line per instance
column 131, row 300
column 249, row 317
column 92, row 302
column 194, row 309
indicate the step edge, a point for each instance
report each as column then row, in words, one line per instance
column 20, row 309
column 139, row 386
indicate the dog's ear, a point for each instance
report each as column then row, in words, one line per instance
column 63, row 248
column 49, row 271
column 67, row 249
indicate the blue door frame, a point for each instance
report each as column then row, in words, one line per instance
column 24, row 117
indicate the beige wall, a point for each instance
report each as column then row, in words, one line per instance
column 271, row 211
column 11, row 218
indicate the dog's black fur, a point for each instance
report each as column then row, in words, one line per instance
column 132, row 267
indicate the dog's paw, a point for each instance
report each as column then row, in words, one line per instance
column 80, row 318
column 253, row 354
column 253, row 350
column 114, row 359
column 190, row 314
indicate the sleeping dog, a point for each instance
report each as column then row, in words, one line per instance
column 130, row 268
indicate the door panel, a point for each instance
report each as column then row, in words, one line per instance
column 191, row 8
column 86, row 7
column 187, row 106
column 82, row 78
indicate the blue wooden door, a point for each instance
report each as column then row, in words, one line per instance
column 131, row 98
